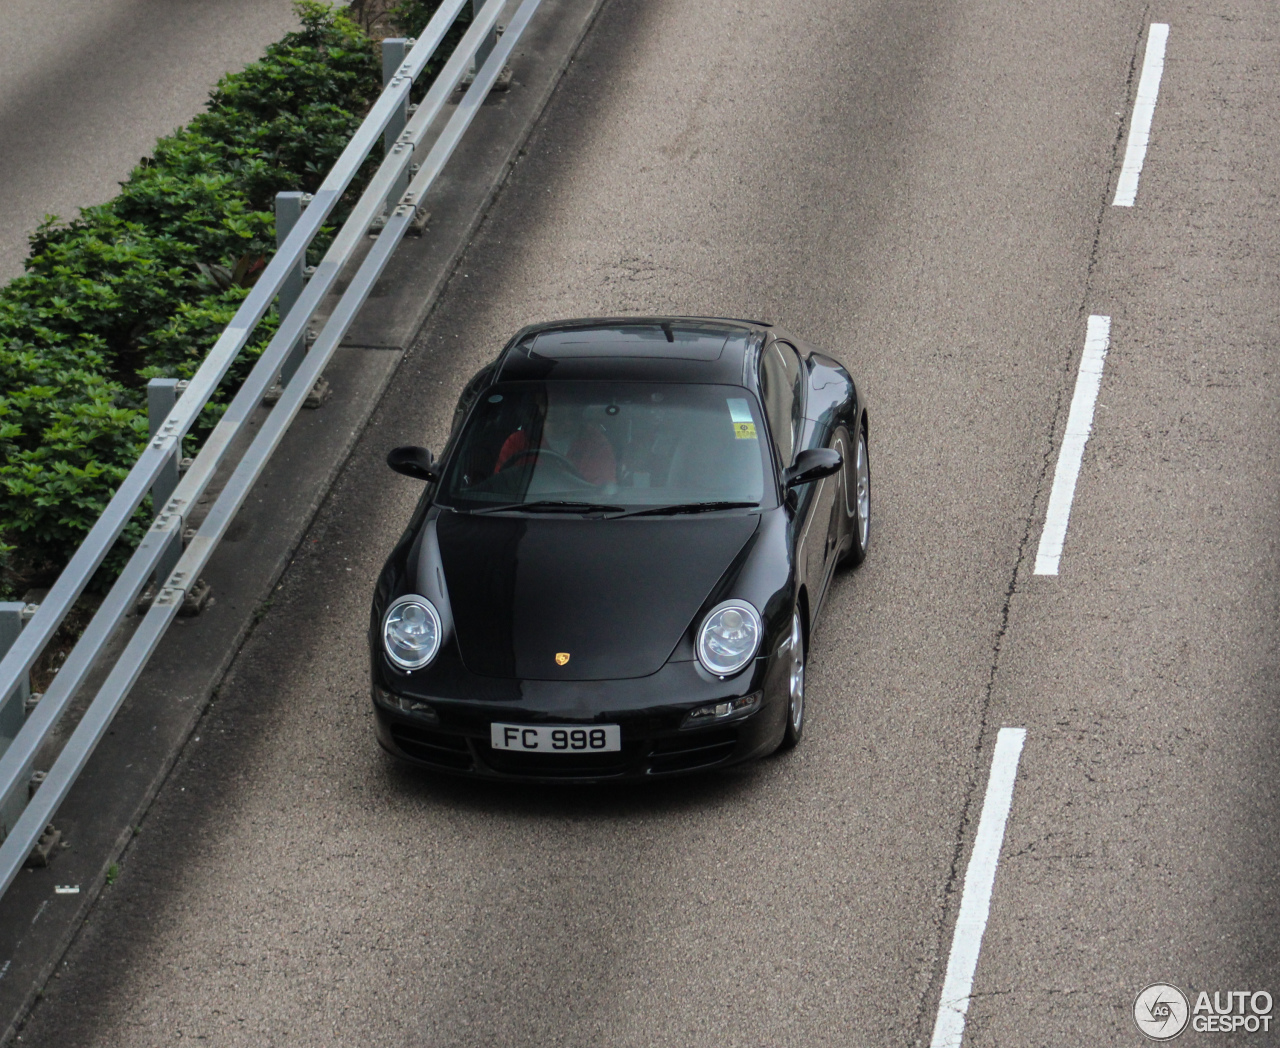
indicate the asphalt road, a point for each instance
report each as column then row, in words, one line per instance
column 87, row 86
column 923, row 187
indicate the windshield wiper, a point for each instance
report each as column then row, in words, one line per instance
column 690, row 507
column 550, row 506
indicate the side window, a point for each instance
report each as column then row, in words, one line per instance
column 778, row 369
column 796, row 376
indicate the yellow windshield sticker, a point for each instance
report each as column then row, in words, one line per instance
column 744, row 427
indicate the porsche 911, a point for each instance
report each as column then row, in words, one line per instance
column 621, row 554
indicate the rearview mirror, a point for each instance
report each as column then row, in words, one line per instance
column 812, row 465
column 413, row 462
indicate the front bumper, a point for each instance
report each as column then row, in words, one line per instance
column 453, row 735
column 459, row 745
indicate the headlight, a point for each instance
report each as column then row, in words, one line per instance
column 411, row 632
column 729, row 637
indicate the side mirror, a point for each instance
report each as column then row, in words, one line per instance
column 812, row 465
column 412, row 462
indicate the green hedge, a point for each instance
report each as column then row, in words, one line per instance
column 140, row 287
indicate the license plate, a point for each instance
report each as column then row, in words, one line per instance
column 556, row 738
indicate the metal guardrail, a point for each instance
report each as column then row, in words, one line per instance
column 161, row 552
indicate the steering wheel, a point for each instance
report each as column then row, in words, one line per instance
column 554, row 456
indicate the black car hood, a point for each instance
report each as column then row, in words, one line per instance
column 615, row 595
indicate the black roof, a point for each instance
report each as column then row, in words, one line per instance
column 654, row 349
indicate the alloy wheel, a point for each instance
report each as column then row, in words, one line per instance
column 796, row 709
column 862, row 491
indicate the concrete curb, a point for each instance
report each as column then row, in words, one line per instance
column 105, row 809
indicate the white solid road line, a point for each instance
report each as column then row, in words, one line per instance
column 1144, row 108
column 1079, row 423
column 975, row 903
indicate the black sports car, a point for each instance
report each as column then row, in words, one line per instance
column 618, row 560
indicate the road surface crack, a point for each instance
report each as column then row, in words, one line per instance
column 923, row 1025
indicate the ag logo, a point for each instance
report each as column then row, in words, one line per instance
column 562, row 657
column 1161, row 1011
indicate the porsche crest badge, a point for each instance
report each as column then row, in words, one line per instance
column 562, row 657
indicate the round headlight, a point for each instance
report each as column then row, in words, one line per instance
column 729, row 637
column 411, row 632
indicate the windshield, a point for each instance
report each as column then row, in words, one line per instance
column 613, row 445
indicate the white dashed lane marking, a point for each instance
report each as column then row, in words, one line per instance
column 1079, row 423
column 1144, row 108
column 979, row 879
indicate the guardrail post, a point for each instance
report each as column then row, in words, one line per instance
column 394, row 50
column 162, row 394
column 489, row 42
column 13, row 710
column 288, row 211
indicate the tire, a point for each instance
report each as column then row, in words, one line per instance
column 858, row 507
column 795, row 686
